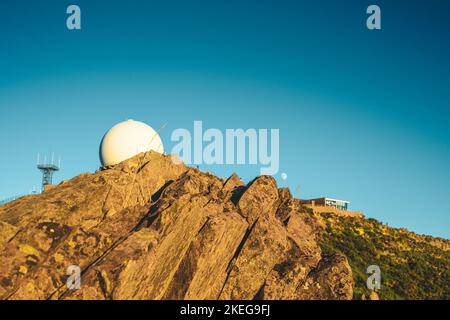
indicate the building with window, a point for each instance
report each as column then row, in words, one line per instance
column 328, row 202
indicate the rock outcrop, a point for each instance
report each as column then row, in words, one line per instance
column 150, row 228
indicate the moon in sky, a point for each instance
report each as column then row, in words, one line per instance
column 127, row 139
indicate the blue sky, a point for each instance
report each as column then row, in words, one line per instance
column 363, row 115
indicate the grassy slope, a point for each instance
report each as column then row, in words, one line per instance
column 412, row 266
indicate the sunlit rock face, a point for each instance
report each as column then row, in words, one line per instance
column 149, row 228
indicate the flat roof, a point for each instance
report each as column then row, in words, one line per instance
column 326, row 198
column 337, row 200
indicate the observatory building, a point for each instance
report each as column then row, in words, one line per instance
column 328, row 202
column 127, row 139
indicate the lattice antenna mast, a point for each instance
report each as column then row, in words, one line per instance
column 47, row 169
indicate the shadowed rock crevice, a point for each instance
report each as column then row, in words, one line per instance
column 260, row 294
column 158, row 194
column 233, row 260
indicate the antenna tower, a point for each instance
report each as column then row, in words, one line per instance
column 47, row 170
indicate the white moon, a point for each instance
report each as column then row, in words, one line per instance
column 127, row 139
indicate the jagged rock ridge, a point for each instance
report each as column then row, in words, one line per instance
column 149, row 228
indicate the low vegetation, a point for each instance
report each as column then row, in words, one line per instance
column 412, row 266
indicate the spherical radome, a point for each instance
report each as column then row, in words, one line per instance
column 127, row 139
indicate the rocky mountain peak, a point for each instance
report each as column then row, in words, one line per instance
column 149, row 228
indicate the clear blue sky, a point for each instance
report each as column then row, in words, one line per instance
column 363, row 115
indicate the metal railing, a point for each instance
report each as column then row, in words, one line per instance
column 10, row 199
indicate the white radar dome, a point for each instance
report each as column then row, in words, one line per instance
column 127, row 139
